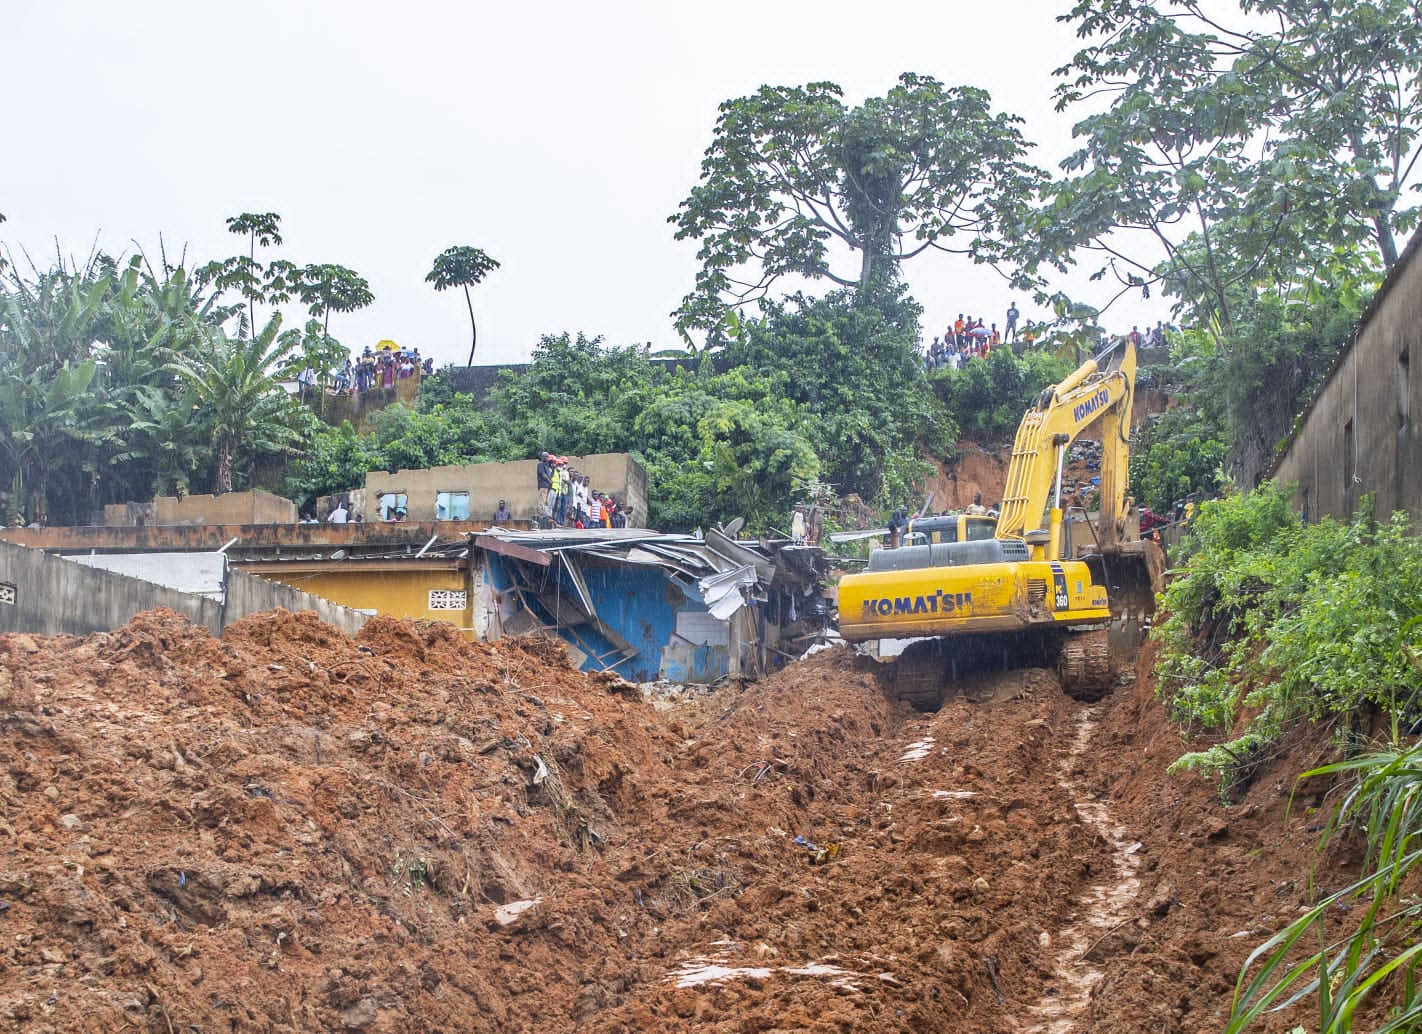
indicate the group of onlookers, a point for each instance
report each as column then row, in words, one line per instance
column 969, row 338
column 1152, row 337
column 381, row 369
column 567, row 499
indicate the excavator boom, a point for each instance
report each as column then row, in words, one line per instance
column 1102, row 390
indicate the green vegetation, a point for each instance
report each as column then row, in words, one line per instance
column 819, row 390
column 121, row 382
column 990, row 397
column 1379, row 951
column 794, row 178
column 1274, row 621
column 1250, row 147
column 1181, row 454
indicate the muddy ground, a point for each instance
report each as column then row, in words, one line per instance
column 287, row 829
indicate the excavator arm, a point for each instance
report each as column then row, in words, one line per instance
column 1100, row 389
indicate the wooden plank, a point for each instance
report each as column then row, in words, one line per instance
column 493, row 544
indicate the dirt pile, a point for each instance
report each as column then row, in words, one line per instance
column 290, row 829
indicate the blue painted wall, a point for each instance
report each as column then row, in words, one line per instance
column 640, row 604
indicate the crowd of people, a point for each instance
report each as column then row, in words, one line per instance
column 970, row 338
column 381, row 369
column 567, row 499
column 1151, row 337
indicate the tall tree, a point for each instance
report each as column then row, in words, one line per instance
column 326, row 287
column 47, row 328
column 148, row 320
column 793, row 172
column 1245, row 153
column 856, row 368
column 462, row 266
column 270, row 284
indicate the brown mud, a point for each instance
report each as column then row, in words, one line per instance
column 287, row 829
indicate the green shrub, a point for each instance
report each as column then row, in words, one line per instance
column 1288, row 620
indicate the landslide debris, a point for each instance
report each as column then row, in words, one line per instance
column 286, row 828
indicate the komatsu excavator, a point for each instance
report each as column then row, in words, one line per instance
column 1034, row 594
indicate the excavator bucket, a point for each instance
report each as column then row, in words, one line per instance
column 1135, row 576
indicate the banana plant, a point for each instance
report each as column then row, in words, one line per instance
column 241, row 405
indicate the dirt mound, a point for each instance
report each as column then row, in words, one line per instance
column 291, row 829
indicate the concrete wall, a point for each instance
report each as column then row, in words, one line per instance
column 250, row 594
column 615, row 473
column 1360, row 433
column 420, row 594
column 56, row 597
column 359, row 408
column 50, row 595
column 254, row 507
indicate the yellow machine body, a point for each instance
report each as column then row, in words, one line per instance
column 990, row 597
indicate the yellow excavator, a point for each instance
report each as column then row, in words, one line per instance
column 1042, row 591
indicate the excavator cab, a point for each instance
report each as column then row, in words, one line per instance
column 950, row 527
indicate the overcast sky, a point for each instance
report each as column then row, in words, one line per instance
column 558, row 137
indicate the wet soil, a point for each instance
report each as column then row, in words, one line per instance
column 289, row 829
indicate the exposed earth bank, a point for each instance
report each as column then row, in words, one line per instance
column 289, row 829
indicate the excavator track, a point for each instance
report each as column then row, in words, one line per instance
column 1084, row 665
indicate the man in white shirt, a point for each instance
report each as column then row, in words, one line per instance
column 340, row 515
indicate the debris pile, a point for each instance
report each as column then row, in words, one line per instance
column 290, row 829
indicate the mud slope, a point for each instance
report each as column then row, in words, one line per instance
column 289, row 829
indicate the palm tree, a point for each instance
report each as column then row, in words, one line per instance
column 238, row 397
column 462, row 266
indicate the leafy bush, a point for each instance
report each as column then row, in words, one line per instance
column 1287, row 620
column 1180, row 453
column 988, row 396
column 1380, row 955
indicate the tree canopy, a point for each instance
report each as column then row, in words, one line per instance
column 1246, row 153
column 794, row 178
column 462, row 266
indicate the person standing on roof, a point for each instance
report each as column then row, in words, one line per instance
column 1009, row 332
column 565, row 491
column 582, row 490
column 545, row 482
column 557, row 480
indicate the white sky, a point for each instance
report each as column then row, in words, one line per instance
column 558, row 137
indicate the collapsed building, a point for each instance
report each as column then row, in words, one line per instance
column 643, row 604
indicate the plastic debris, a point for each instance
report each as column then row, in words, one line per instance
column 816, row 854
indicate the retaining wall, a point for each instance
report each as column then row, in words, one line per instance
column 49, row 595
